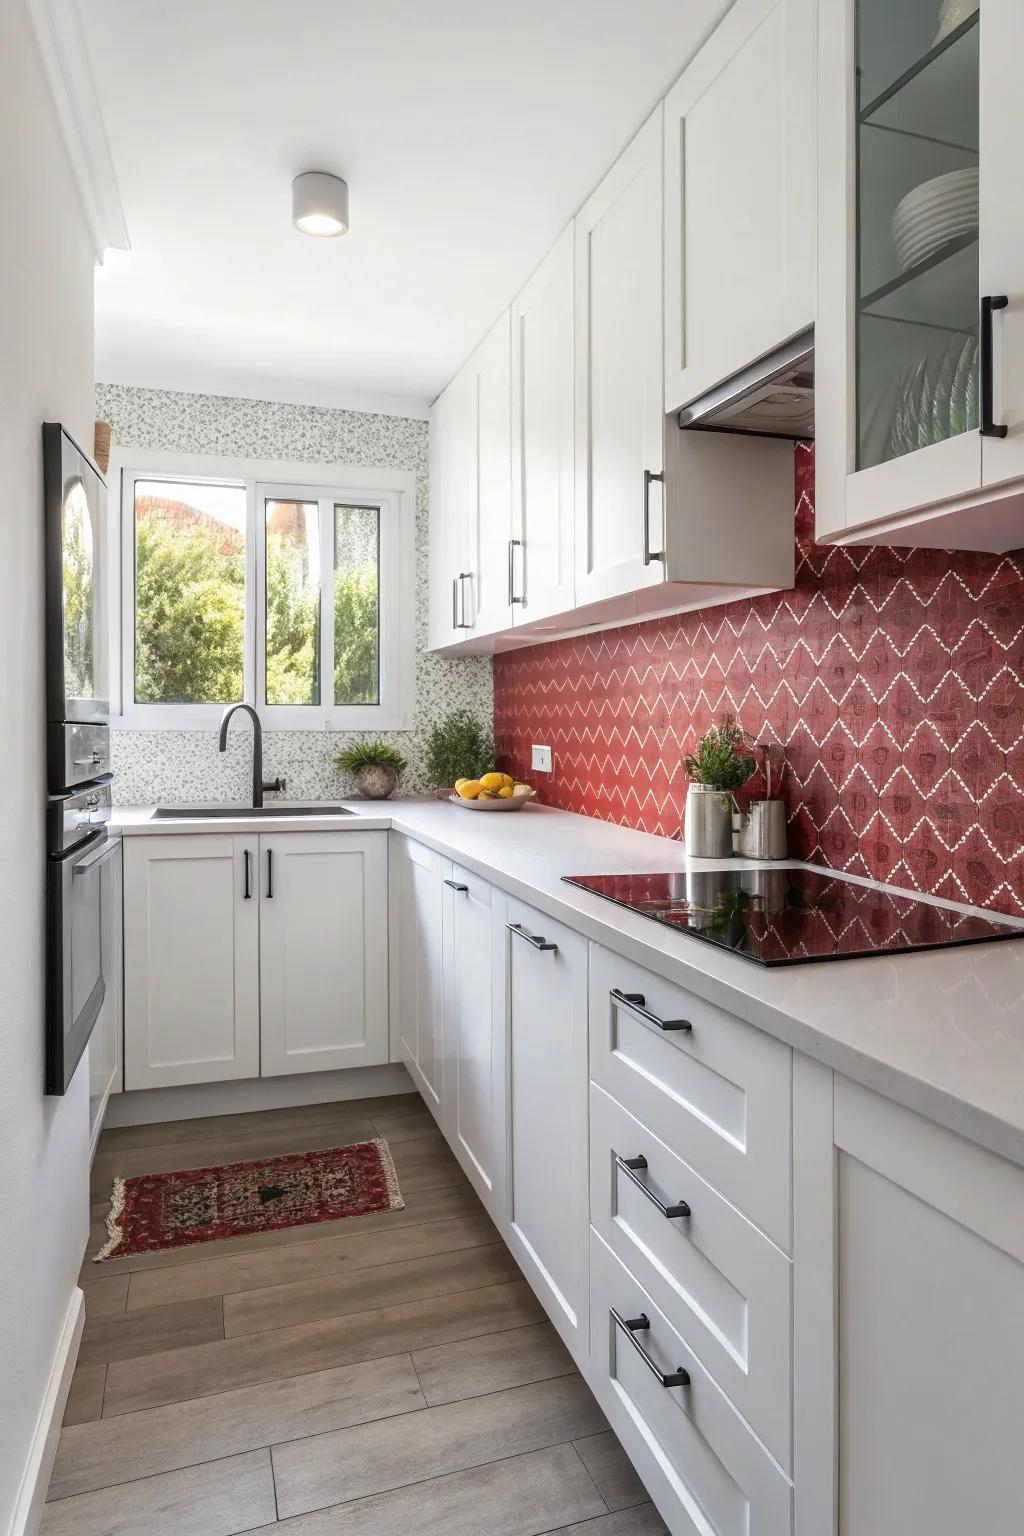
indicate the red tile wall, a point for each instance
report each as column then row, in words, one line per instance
column 891, row 679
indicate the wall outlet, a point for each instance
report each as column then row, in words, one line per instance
column 542, row 760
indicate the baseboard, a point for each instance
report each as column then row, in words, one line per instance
column 28, row 1511
column 149, row 1106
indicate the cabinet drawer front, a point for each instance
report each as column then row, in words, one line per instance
column 718, row 1094
column 721, row 1283
column 706, row 1471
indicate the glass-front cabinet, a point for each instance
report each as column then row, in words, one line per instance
column 920, row 326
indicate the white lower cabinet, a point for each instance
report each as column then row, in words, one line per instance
column 416, row 966
column 546, row 1052
column 250, row 955
column 929, row 1244
column 707, row 1472
column 473, row 1114
column 191, row 960
column 323, row 951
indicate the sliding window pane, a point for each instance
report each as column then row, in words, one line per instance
column 189, row 592
column 293, row 602
column 356, row 605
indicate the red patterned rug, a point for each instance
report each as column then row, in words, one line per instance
column 198, row 1205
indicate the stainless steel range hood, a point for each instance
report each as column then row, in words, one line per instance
column 772, row 398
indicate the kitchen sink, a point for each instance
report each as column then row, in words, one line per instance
column 187, row 812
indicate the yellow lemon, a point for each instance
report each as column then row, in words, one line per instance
column 459, row 782
column 487, row 794
column 492, row 781
column 508, row 780
column 505, row 792
column 469, row 789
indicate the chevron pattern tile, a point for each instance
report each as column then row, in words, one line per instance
column 891, row 680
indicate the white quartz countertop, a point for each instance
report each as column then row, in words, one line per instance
column 941, row 1031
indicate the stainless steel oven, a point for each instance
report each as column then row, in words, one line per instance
column 80, row 919
column 77, row 703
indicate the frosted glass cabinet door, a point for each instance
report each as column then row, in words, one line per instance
column 323, row 951
column 191, row 960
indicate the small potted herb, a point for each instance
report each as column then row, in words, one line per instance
column 717, row 768
column 459, row 747
column 375, row 765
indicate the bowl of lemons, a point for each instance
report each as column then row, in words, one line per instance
column 492, row 792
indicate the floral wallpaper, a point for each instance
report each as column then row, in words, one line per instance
column 169, row 766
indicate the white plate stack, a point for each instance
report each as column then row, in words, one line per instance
column 933, row 214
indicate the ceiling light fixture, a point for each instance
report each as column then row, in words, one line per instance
column 320, row 203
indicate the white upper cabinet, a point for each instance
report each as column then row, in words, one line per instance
column 620, row 419
column 920, row 334
column 323, row 951
column 739, row 196
column 486, row 601
column 450, row 475
column 541, row 556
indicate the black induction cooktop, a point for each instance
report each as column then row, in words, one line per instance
column 790, row 916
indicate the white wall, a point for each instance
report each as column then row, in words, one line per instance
column 46, row 373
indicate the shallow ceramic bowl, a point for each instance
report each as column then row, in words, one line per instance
column 516, row 803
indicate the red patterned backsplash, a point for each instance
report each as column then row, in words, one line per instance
column 892, row 681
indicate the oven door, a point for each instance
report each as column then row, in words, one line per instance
column 79, row 952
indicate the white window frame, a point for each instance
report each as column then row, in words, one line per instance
column 392, row 490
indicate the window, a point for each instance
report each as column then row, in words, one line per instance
column 291, row 596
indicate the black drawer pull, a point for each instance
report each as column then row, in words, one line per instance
column 989, row 427
column 247, row 889
column 632, row 1167
column 636, row 1003
column 455, row 885
column 531, row 938
column 631, row 1326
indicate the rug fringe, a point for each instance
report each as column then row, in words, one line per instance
column 390, row 1175
column 115, row 1232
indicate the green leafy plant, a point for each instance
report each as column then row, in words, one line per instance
column 459, row 746
column 369, row 752
column 719, row 761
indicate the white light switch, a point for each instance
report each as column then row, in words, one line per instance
column 542, row 761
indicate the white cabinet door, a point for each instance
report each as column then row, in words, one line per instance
column 474, row 1119
column 323, row 951
column 452, row 466
column 740, row 196
column 485, row 597
column 620, row 420
column 191, row 961
column 546, row 1043
column 416, row 966
column 542, row 437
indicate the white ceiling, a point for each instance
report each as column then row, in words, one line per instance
column 469, row 133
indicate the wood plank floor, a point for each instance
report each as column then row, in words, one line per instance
column 367, row 1377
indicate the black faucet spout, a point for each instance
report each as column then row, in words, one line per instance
column 258, row 784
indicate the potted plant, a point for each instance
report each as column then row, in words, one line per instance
column 717, row 768
column 375, row 765
column 459, row 747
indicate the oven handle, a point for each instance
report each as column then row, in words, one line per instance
column 106, row 851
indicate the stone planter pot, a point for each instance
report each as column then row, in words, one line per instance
column 376, row 781
column 707, row 833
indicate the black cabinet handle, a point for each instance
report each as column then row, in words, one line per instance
column 270, row 872
column 636, row 1004
column 632, row 1167
column 649, row 554
column 531, row 938
column 247, row 888
column 456, row 886
column 513, row 545
column 459, row 615
column 631, row 1326
column 989, row 428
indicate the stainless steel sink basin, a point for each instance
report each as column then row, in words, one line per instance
column 187, row 812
